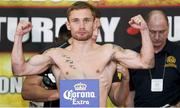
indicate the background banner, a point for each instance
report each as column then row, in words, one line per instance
column 47, row 16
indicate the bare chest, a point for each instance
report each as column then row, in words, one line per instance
column 89, row 66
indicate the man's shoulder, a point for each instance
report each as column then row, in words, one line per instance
column 108, row 45
column 111, row 47
column 52, row 50
column 56, row 45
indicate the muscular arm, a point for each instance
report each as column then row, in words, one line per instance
column 33, row 89
column 120, row 90
column 130, row 99
column 35, row 65
column 144, row 59
column 118, row 93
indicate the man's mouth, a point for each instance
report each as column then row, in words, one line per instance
column 82, row 33
column 157, row 44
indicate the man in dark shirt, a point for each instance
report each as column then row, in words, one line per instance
column 159, row 86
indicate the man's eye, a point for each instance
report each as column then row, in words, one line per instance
column 87, row 20
column 163, row 31
column 75, row 20
column 152, row 32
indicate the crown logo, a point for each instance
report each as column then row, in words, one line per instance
column 171, row 60
column 80, row 86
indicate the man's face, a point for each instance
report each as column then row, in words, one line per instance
column 81, row 24
column 158, row 28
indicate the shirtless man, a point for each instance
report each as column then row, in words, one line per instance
column 83, row 59
column 43, row 91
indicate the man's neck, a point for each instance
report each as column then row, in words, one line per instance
column 82, row 46
column 159, row 49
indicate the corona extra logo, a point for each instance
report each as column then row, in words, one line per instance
column 80, row 86
column 171, row 62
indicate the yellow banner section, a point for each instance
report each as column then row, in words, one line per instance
column 100, row 3
column 10, row 86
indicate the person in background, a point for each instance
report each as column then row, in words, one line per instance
column 159, row 86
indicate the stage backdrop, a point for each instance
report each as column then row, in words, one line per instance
column 47, row 16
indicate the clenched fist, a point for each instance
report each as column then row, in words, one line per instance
column 23, row 27
column 138, row 22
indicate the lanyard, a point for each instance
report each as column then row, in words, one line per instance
column 164, row 69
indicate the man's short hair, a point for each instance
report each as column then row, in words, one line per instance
column 151, row 13
column 81, row 5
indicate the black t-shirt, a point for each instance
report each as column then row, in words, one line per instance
column 167, row 62
column 49, row 81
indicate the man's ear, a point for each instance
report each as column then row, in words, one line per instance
column 98, row 22
column 68, row 25
column 95, row 24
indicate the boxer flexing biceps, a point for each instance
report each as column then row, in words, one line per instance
column 83, row 59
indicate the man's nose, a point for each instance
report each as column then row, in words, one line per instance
column 82, row 24
column 157, row 35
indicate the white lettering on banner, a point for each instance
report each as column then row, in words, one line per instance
column 43, row 28
column 59, row 22
column 70, row 94
column 79, row 102
column 109, row 28
column 10, row 85
column 11, row 29
column 2, row 20
column 176, row 36
column 42, row 25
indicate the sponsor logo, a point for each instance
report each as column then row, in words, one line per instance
column 81, row 93
column 171, row 62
